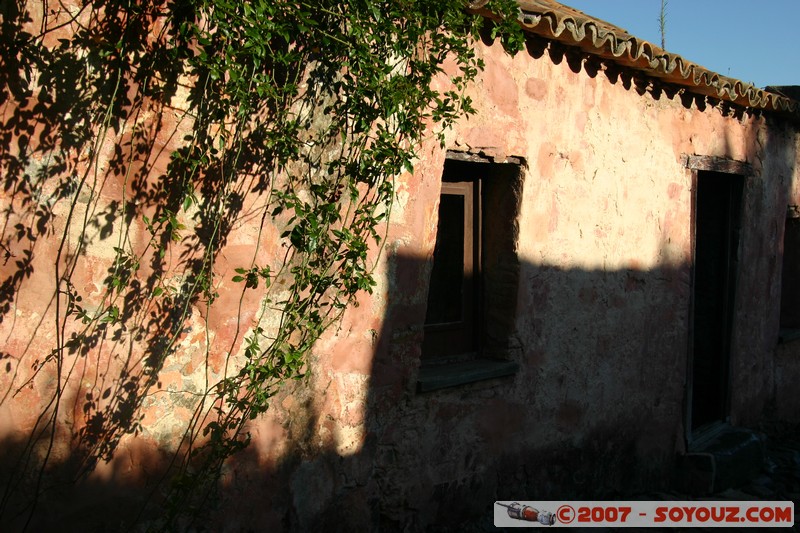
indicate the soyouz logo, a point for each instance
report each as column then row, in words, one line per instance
column 644, row 514
column 528, row 513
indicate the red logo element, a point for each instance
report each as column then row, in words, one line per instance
column 565, row 514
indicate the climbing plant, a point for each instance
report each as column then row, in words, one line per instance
column 183, row 121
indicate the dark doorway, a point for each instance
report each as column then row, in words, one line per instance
column 717, row 230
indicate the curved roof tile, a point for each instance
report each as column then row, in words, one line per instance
column 555, row 21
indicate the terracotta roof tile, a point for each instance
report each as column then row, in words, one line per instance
column 558, row 22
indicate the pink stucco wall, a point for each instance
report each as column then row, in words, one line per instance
column 605, row 247
column 602, row 319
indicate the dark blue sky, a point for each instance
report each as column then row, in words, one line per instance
column 755, row 41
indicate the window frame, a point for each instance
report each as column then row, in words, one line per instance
column 469, row 171
column 459, row 339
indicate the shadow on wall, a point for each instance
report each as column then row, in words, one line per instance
column 595, row 411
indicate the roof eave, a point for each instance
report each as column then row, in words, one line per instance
column 556, row 22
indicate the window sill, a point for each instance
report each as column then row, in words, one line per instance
column 785, row 336
column 433, row 377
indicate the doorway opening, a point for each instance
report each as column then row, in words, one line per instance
column 718, row 223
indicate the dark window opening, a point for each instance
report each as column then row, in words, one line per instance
column 446, row 301
column 472, row 294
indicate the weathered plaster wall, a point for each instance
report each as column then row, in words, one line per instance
column 597, row 406
column 605, row 244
